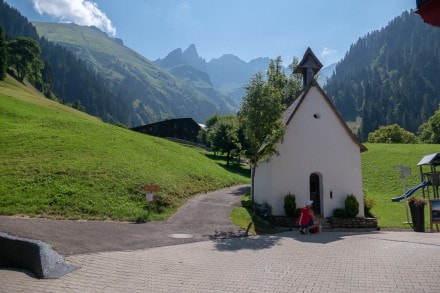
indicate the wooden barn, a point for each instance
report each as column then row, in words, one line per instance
column 180, row 128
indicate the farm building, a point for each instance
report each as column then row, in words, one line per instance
column 180, row 128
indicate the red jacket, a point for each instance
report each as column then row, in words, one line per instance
column 304, row 216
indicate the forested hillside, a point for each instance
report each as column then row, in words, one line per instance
column 390, row 76
column 149, row 92
column 69, row 78
column 99, row 75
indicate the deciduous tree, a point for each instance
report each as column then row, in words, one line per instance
column 392, row 134
column 430, row 130
column 23, row 54
column 223, row 136
column 261, row 119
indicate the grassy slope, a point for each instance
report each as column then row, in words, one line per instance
column 93, row 45
column 381, row 180
column 58, row 162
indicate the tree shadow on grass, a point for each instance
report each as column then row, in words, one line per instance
column 233, row 167
column 236, row 169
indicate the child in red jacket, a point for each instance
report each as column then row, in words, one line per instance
column 306, row 219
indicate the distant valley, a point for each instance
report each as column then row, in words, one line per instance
column 150, row 93
column 182, row 84
column 228, row 73
column 90, row 71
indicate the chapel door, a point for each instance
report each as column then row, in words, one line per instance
column 315, row 193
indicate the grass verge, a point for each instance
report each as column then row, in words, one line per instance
column 243, row 218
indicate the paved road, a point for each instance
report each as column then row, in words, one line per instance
column 382, row 261
column 203, row 217
column 287, row 262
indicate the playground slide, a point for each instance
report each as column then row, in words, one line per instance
column 410, row 191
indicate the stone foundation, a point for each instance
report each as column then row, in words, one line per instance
column 328, row 223
column 353, row 222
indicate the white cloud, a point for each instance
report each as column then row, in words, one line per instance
column 82, row 12
column 327, row 52
column 182, row 16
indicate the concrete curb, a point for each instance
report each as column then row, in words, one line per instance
column 33, row 255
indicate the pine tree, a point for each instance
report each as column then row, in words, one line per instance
column 390, row 76
column 3, row 55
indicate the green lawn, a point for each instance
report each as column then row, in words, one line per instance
column 57, row 162
column 381, row 180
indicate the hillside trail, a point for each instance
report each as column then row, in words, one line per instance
column 203, row 217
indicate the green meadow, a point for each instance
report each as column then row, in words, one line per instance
column 382, row 182
column 57, row 162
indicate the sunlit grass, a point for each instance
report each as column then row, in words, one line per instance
column 244, row 218
column 382, row 182
column 57, row 162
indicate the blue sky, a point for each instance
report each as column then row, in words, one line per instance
column 246, row 28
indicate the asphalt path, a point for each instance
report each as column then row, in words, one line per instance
column 206, row 216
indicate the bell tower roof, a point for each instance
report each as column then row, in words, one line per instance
column 309, row 66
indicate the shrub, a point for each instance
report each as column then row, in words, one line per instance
column 339, row 213
column 369, row 203
column 263, row 210
column 392, row 134
column 430, row 131
column 351, row 206
column 297, row 213
column 290, row 205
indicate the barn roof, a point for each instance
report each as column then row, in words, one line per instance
column 296, row 104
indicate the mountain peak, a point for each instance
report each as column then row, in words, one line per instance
column 191, row 56
column 191, row 51
column 173, row 59
column 229, row 58
column 177, row 53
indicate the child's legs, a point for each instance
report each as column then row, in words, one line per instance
column 309, row 224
